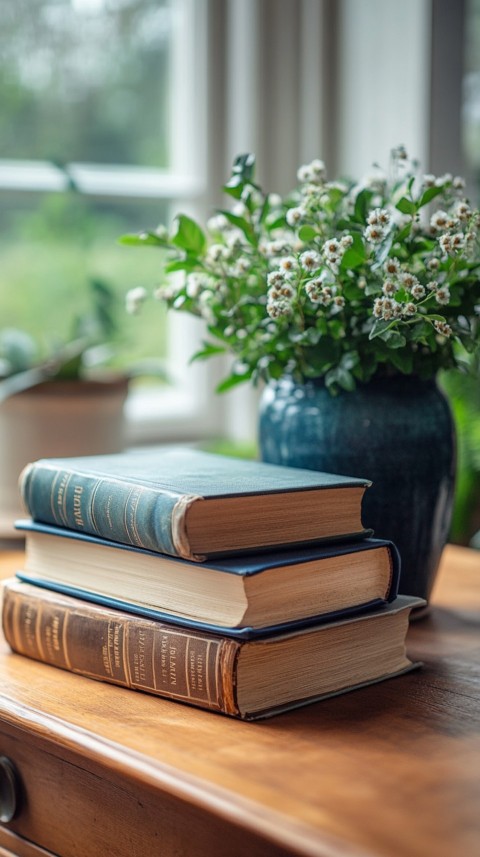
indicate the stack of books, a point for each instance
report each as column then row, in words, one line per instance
column 237, row 586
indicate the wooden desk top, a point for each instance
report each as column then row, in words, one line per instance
column 390, row 770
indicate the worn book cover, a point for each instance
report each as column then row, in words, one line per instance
column 241, row 678
column 185, row 502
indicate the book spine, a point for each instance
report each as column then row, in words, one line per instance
column 113, row 509
column 122, row 649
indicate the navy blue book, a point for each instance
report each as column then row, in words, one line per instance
column 192, row 504
column 243, row 596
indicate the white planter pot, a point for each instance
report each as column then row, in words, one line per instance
column 55, row 419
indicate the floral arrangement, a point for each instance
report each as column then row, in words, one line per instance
column 339, row 280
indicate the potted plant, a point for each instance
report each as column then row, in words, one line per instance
column 346, row 298
column 65, row 402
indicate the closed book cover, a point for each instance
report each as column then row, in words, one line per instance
column 244, row 679
column 193, row 504
column 243, row 596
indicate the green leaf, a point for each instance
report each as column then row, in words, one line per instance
column 394, row 339
column 406, row 206
column 380, row 327
column 233, row 381
column 429, row 194
column 402, row 360
column 355, row 255
column 187, row 235
column 362, row 205
column 189, row 263
column 234, row 187
column 241, row 224
column 244, row 166
column 420, row 331
column 307, row 232
column 277, row 223
column 404, row 233
column 207, row 351
column 142, row 239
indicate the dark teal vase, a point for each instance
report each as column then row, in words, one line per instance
column 399, row 433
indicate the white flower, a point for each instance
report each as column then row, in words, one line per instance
column 275, row 309
column 217, row 253
column 346, row 241
column 288, row 264
column 409, row 309
column 304, row 174
column 331, row 250
column 429, row 180
column 443, row 328
column 445, row 242
column 235, row 240
column 458, row 240
column 278, row 247
column 312, row 172
column 418, row 291
column 378, row 217
column 374, row 234
column 134, row 299
column 195, row 284
column 217, row 223
column 275, row 200
column 310, row 260
column 442, row 295
column 165, row 293
column 295, row 216
column 392, row 267
column 339, row 301
column 389, row 288
column 318, row 293
column 433, row 264
column 458, row 183
column 285, row 291
column 241, row 266
column 408, row 280
column 462, row 210
column 276, row 278
column 239, row 209
column 439, row 220
column 317, row 168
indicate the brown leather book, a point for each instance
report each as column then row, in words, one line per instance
column 247, row 679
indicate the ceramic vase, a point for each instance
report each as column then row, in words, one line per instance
column 399, row 433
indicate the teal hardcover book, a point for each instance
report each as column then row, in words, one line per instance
column 192, row 504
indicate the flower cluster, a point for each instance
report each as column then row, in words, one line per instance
column 337, row 280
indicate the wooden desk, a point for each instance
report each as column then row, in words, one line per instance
column 391, row 770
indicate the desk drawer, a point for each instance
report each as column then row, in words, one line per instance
column 77, row 811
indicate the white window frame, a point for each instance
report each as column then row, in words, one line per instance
column 183, row 410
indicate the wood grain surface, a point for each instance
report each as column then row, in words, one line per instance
column 389, row 771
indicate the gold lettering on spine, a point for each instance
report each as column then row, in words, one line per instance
column 77, row 505
column 66, row 655
column 92, row 504
column 35, row 617
column 130, row 516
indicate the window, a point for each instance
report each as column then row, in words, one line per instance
column 100, row 134
column 116, row 114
